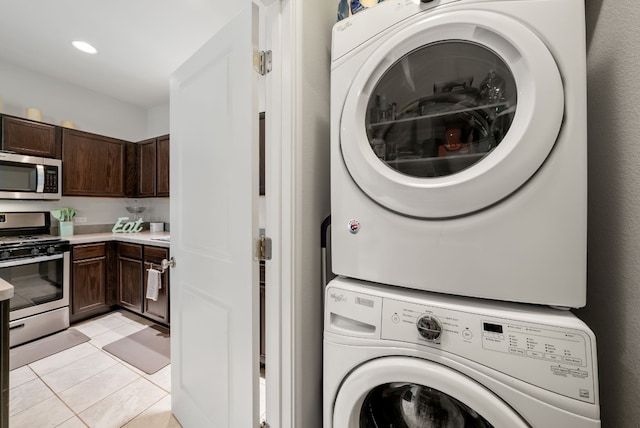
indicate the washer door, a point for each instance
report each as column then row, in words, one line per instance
column 407, row 392
column 451, row 114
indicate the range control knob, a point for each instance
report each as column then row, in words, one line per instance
column 51, row 250
column 35, row 251
column 429, row 328
column 4, row 255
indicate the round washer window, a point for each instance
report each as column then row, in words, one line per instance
column 440, row 109
column 409, row 405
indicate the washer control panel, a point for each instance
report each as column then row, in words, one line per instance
column 547, row 349
column 429, row 328
column 554, row 358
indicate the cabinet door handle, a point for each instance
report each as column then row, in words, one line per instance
column 168, row 263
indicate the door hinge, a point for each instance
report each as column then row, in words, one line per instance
column 265, row 424
column 262, row 62
column 263, row 248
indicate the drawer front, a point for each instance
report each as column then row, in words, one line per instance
column 155, row 254
column 88, row 251
column 133, row 251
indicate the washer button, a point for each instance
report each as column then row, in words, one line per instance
column 467, row 334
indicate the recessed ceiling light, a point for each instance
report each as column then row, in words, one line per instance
column 84, row 47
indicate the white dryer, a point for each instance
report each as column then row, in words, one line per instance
column 405, row 358
column 458, row 148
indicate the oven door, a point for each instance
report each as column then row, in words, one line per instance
column 40, row 284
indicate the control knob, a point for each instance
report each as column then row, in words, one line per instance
column 51, row 250
column 4, row 255
column 35, row 251
column 429, row 328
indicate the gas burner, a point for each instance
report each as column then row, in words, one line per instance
column 25, row 235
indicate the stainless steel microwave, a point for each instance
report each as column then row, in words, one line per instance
column 29, row 177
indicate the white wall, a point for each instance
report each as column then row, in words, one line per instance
column 613, row 299
column 314, row 21
column 58, row 100
column 158, row 120
column 92, row 112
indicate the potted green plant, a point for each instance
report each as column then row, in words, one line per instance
column 65, row 217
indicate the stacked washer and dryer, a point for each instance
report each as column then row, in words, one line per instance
column 459, row 203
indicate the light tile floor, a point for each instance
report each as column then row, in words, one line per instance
column 85, row 386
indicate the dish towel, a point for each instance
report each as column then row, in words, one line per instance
column 153, row 284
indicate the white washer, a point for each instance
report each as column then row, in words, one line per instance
column 458, row 148
column 406, row 358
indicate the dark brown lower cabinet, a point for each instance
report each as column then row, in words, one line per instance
column 134, row 260
column 106, row 274
column 90, row 289
column 130, row 273
column 130, row 277
column 157, row 310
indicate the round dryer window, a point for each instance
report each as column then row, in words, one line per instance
column 451, row 107
column 451, row 114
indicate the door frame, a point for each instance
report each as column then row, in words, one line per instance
column 297, row 200
column 278, row 311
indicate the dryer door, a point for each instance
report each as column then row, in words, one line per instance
column 451, row 114
column 411, row 393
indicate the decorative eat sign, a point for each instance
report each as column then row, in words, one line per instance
column 128, row 227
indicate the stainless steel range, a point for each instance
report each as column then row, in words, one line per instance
column 37, row 264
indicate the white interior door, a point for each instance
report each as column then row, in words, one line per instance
column 214, row 188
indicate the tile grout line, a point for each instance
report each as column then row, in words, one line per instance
column 147, row 408
column 126, row 321
column 55, row 394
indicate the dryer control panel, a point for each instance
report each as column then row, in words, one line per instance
column 549, row 349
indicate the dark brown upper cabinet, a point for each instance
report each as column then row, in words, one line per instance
column 153, row 167
column 147, row 166
column 95, row 165
column 30, row 138
column 162, row 169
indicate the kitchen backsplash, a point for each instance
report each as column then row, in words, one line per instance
column 96, row 211
column 79, row 229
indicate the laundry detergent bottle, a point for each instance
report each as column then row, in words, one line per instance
column 356, row 6
column 343, row 9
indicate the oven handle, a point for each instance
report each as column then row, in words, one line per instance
column 30, row 260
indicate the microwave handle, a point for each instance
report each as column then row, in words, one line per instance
column 40, row 178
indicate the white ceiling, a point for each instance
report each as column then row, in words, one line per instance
column 140, row 42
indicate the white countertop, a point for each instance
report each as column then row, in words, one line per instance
column 145, row 238
column 6, row 290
